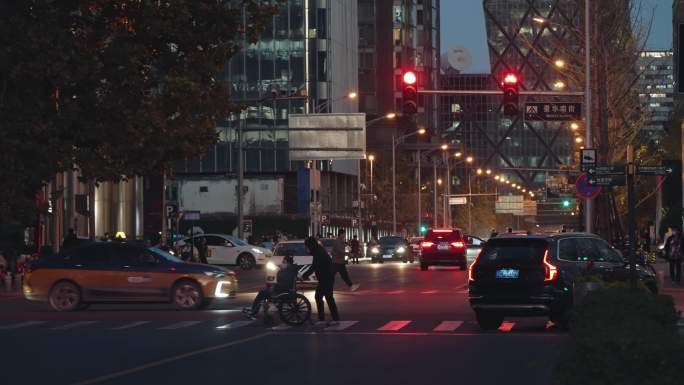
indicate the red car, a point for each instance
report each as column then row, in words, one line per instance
column 443, row 247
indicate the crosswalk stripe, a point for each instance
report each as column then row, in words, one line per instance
column 130, row 325
column 179, row 325
column 22, row 325
column 341, row 326
column 506, row 326
column 74, row 325
column 281, row 327
column 448, row 326
column 394, row 326
column 234, row 325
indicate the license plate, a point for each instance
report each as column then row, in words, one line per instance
column 442, row 246
column 507, row 273
column 387, row 256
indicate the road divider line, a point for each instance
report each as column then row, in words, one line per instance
column 22, row 325
column 393, row 326
column 74, row 325
column 179, row 325
column 341, row 326
column 130, row 325
column 164, row 361
column 506, row 327
column 448, row 326
column 234, row 325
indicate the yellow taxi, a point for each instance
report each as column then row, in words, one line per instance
column 115, row 272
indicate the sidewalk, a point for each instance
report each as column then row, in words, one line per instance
column 667, row 287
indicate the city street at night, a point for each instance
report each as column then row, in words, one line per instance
column 403, row 326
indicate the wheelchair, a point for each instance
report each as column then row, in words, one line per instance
column 293, row 308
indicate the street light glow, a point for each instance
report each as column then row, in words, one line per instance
column 439, row 181
column 469, row 159
column 444, row 146
column 479, row 171
column 352, row 95
column 488, row 172
column 560, row 63
column 371, row 157
column 574, row 126
column 496, row 177
column 519, row 187
column 524, row 190
column 508, row 182
column 458, row 154
column 559, row 85
column 578, row 139
column 539, row 20
column 391, row 115
column 513, row 185
column 421, row 131
column 531, row 194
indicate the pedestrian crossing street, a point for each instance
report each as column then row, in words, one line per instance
column 361, row 326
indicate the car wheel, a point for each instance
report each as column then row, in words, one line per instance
column 246, row 261
column 65, row 296
column 424, row 266
column 187, row 295
column 489, row 321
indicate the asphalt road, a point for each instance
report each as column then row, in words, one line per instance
column 403, row 326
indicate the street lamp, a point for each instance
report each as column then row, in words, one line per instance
column 458, row 154
column 351, row 95
column 574, row 126
column 560, row 63
column 395, row 141
column 470, row 159
column 389, row 116
column 588, row 134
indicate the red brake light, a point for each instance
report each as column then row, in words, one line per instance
column 458, row 245
column 550, row 270
column 442, row 230
column 426, row 244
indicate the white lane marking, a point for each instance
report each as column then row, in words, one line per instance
column 448, row 326
column 22, row 325
column 179, row 325
column 130, row 325
column 342, row 325
column 506, row 326
column 281, row 327
column 234, row 325
column 429, row 292
column 164, row 361
column 394, row 326
column 73, row 325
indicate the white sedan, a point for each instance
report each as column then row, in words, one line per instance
column 301, row 257
column 228, row 250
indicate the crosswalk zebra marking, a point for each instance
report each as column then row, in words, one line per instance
column 22, row 325
column 234, row 325
column 74, row 325
column 447, row 326
column 130, row 325
column 179, row 325
column 341, row 326
column 506, row 326
column 394, row 326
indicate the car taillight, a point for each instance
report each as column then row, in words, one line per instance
column 458, row 245
column 550, row 270
column 426, row 244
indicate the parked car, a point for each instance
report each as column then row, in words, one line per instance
column 115, row 272
column 301, row 257
column 392, row 248
column 228, row 250
column 535, row 275
column 443, row 247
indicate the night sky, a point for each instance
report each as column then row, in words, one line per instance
column 462, row 23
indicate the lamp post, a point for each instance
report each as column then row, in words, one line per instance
column 395, row 141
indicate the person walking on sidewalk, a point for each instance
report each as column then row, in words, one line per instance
column 673, row 251
column 322, row 266
column 339, row 263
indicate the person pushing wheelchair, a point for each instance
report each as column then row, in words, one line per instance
column 285, row 283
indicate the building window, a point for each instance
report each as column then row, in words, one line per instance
column 204, row 189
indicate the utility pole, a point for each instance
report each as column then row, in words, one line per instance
column 241, row 176
column 434, row 192
column 589, row 136
column 630, row 215
column 419, row 193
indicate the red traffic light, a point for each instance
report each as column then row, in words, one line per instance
column 510, row 78
column 409, row 78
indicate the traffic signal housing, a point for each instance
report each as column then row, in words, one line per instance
column 409, row 93
column 511, row 89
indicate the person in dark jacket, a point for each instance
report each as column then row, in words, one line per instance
column 674, row 252
column 202, row 250
column 323, row 267
column 285, row 282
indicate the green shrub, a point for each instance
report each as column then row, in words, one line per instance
column 623, row 337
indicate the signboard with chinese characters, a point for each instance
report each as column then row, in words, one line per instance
column 553, row 111
column 510, row 204
column 457, row 201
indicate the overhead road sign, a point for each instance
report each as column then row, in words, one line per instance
column 654, row 170
column 607, row 180
column 458, row 201
column 553, row 111
column 587, row 158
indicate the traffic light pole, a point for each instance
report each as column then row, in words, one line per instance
column 589, row 136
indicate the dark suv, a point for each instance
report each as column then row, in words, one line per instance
column 535, row 275
column 443, row 247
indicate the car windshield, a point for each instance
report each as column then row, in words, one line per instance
column 235, row 241
column 388, row 241
column 164, row 255
column 514, row 252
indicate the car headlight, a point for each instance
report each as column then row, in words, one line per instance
column 257, row 251
column 271, row 266
column 375, row 250
column 401, row 249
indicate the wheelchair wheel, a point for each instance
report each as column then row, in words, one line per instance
column 295, row 311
